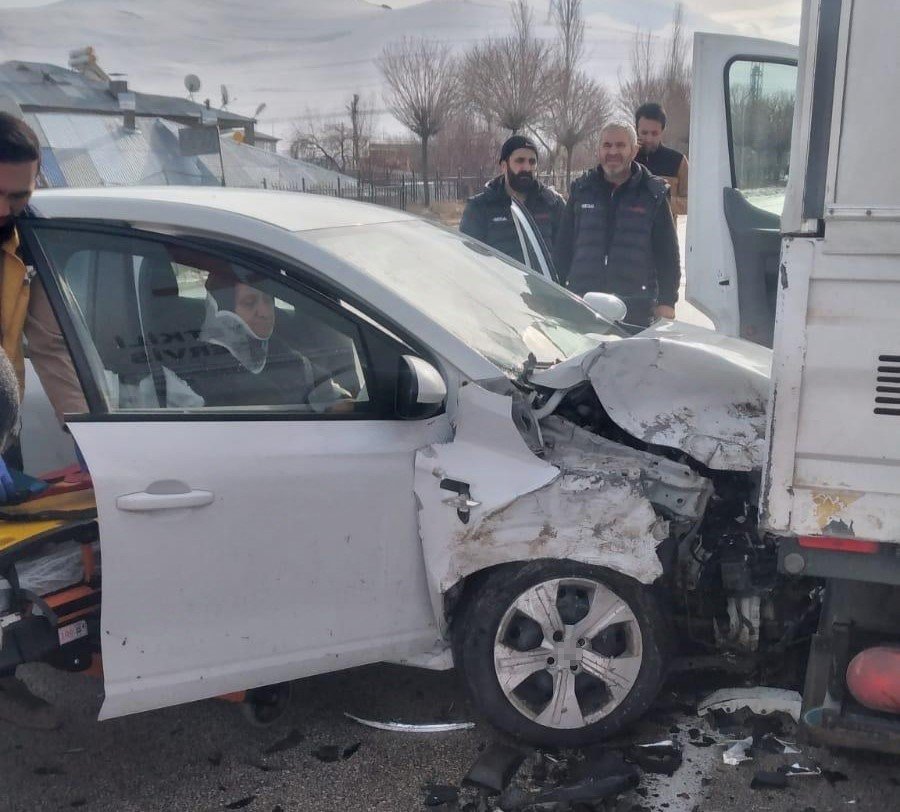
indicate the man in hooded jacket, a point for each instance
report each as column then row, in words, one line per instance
column 487, row 216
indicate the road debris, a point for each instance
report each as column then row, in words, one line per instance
column 760, row 701
column 769, row 780
column 406, row 727
column 330, row 753
column 495, row 767
column 661, row 758
column 737, row 753
column 797, row 770
column 439, row 794
column 770, row 743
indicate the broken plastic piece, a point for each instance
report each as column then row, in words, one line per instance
column 769, row 780
column 589, row 789
column 737, row 752
column 762, row 701
column 439, row 794
column 662, row 758
column 405, row 727
column 772, row 744
column 495, row 767
column 797, row 770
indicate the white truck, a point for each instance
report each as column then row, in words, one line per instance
column 807, row 260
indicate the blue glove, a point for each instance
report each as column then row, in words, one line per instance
column 7, row 488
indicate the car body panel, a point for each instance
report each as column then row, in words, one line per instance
column 650, row 385
column 274, row 579
column 589, row 500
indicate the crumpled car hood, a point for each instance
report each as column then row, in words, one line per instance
column 680, row 386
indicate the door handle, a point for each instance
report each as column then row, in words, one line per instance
column 150, row 500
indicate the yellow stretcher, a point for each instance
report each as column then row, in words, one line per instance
column 62, row 626
column 43, row 518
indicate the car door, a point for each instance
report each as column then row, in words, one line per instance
column 538, row 257
column 742, row 104
column 248, row 543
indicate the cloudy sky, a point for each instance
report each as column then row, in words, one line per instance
column 779, row 19
column 305, row 57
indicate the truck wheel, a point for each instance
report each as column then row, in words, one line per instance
column 266, row 705
column 561, row 654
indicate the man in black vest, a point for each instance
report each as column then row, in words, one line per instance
column 487, row 216
column 617, row 234
column 664, row 162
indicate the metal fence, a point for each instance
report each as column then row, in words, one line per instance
column 404, row 191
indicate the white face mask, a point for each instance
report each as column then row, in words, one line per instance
column 227, row 329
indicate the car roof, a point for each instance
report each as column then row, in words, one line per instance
column 292, row 211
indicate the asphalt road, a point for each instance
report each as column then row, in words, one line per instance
column 205, row 756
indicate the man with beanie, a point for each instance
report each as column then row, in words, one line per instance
column 487, row 216
column 617, row 234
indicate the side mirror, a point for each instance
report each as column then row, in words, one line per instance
column 612, row 308
column 421, row 390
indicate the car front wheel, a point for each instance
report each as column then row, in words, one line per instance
column 560, row 653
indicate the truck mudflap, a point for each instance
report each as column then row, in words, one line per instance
column 856, row 617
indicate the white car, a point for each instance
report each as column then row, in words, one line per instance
column 506, row 479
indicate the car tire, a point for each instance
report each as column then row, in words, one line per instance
column 589, row 664
column 266, row 705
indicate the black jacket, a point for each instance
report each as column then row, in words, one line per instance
column 487, row 216
column 663, row 162
column 620, row 240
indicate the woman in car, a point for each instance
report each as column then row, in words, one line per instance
column 241, row 360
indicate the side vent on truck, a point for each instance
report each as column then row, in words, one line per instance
column 887, row 388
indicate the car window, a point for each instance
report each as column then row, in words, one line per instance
column 761, row 114
column 169, row 326
column 494, row 305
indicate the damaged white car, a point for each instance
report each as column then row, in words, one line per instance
column 427, row 454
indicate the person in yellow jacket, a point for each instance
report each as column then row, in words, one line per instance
column 26, row 315
column 24, row 309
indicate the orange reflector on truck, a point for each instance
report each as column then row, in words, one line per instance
column 873, row 678
column 838, row 544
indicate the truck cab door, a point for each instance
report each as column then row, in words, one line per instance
column 741, row 125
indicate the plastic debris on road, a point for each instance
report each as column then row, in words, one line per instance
column 406, row 727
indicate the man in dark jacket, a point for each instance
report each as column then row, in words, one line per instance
column 617, row 234
column 487, row 216
column 662, row 161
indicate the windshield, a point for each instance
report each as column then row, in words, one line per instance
column 495, row 306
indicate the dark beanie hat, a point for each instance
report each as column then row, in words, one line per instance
column 515, row 142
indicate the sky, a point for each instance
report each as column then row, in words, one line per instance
column 303, row 58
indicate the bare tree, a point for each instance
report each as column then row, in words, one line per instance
column 334, row 142
column 326, row 143
column 666, row 80
column 360, row 130
column 508, row 79
column 578, row 105
column 423, row 89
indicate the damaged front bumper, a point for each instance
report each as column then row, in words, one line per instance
column 586, row 499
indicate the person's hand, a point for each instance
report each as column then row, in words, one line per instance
column 664, row 312
column 7, row 488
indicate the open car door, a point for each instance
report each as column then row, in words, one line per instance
column 741, row 125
